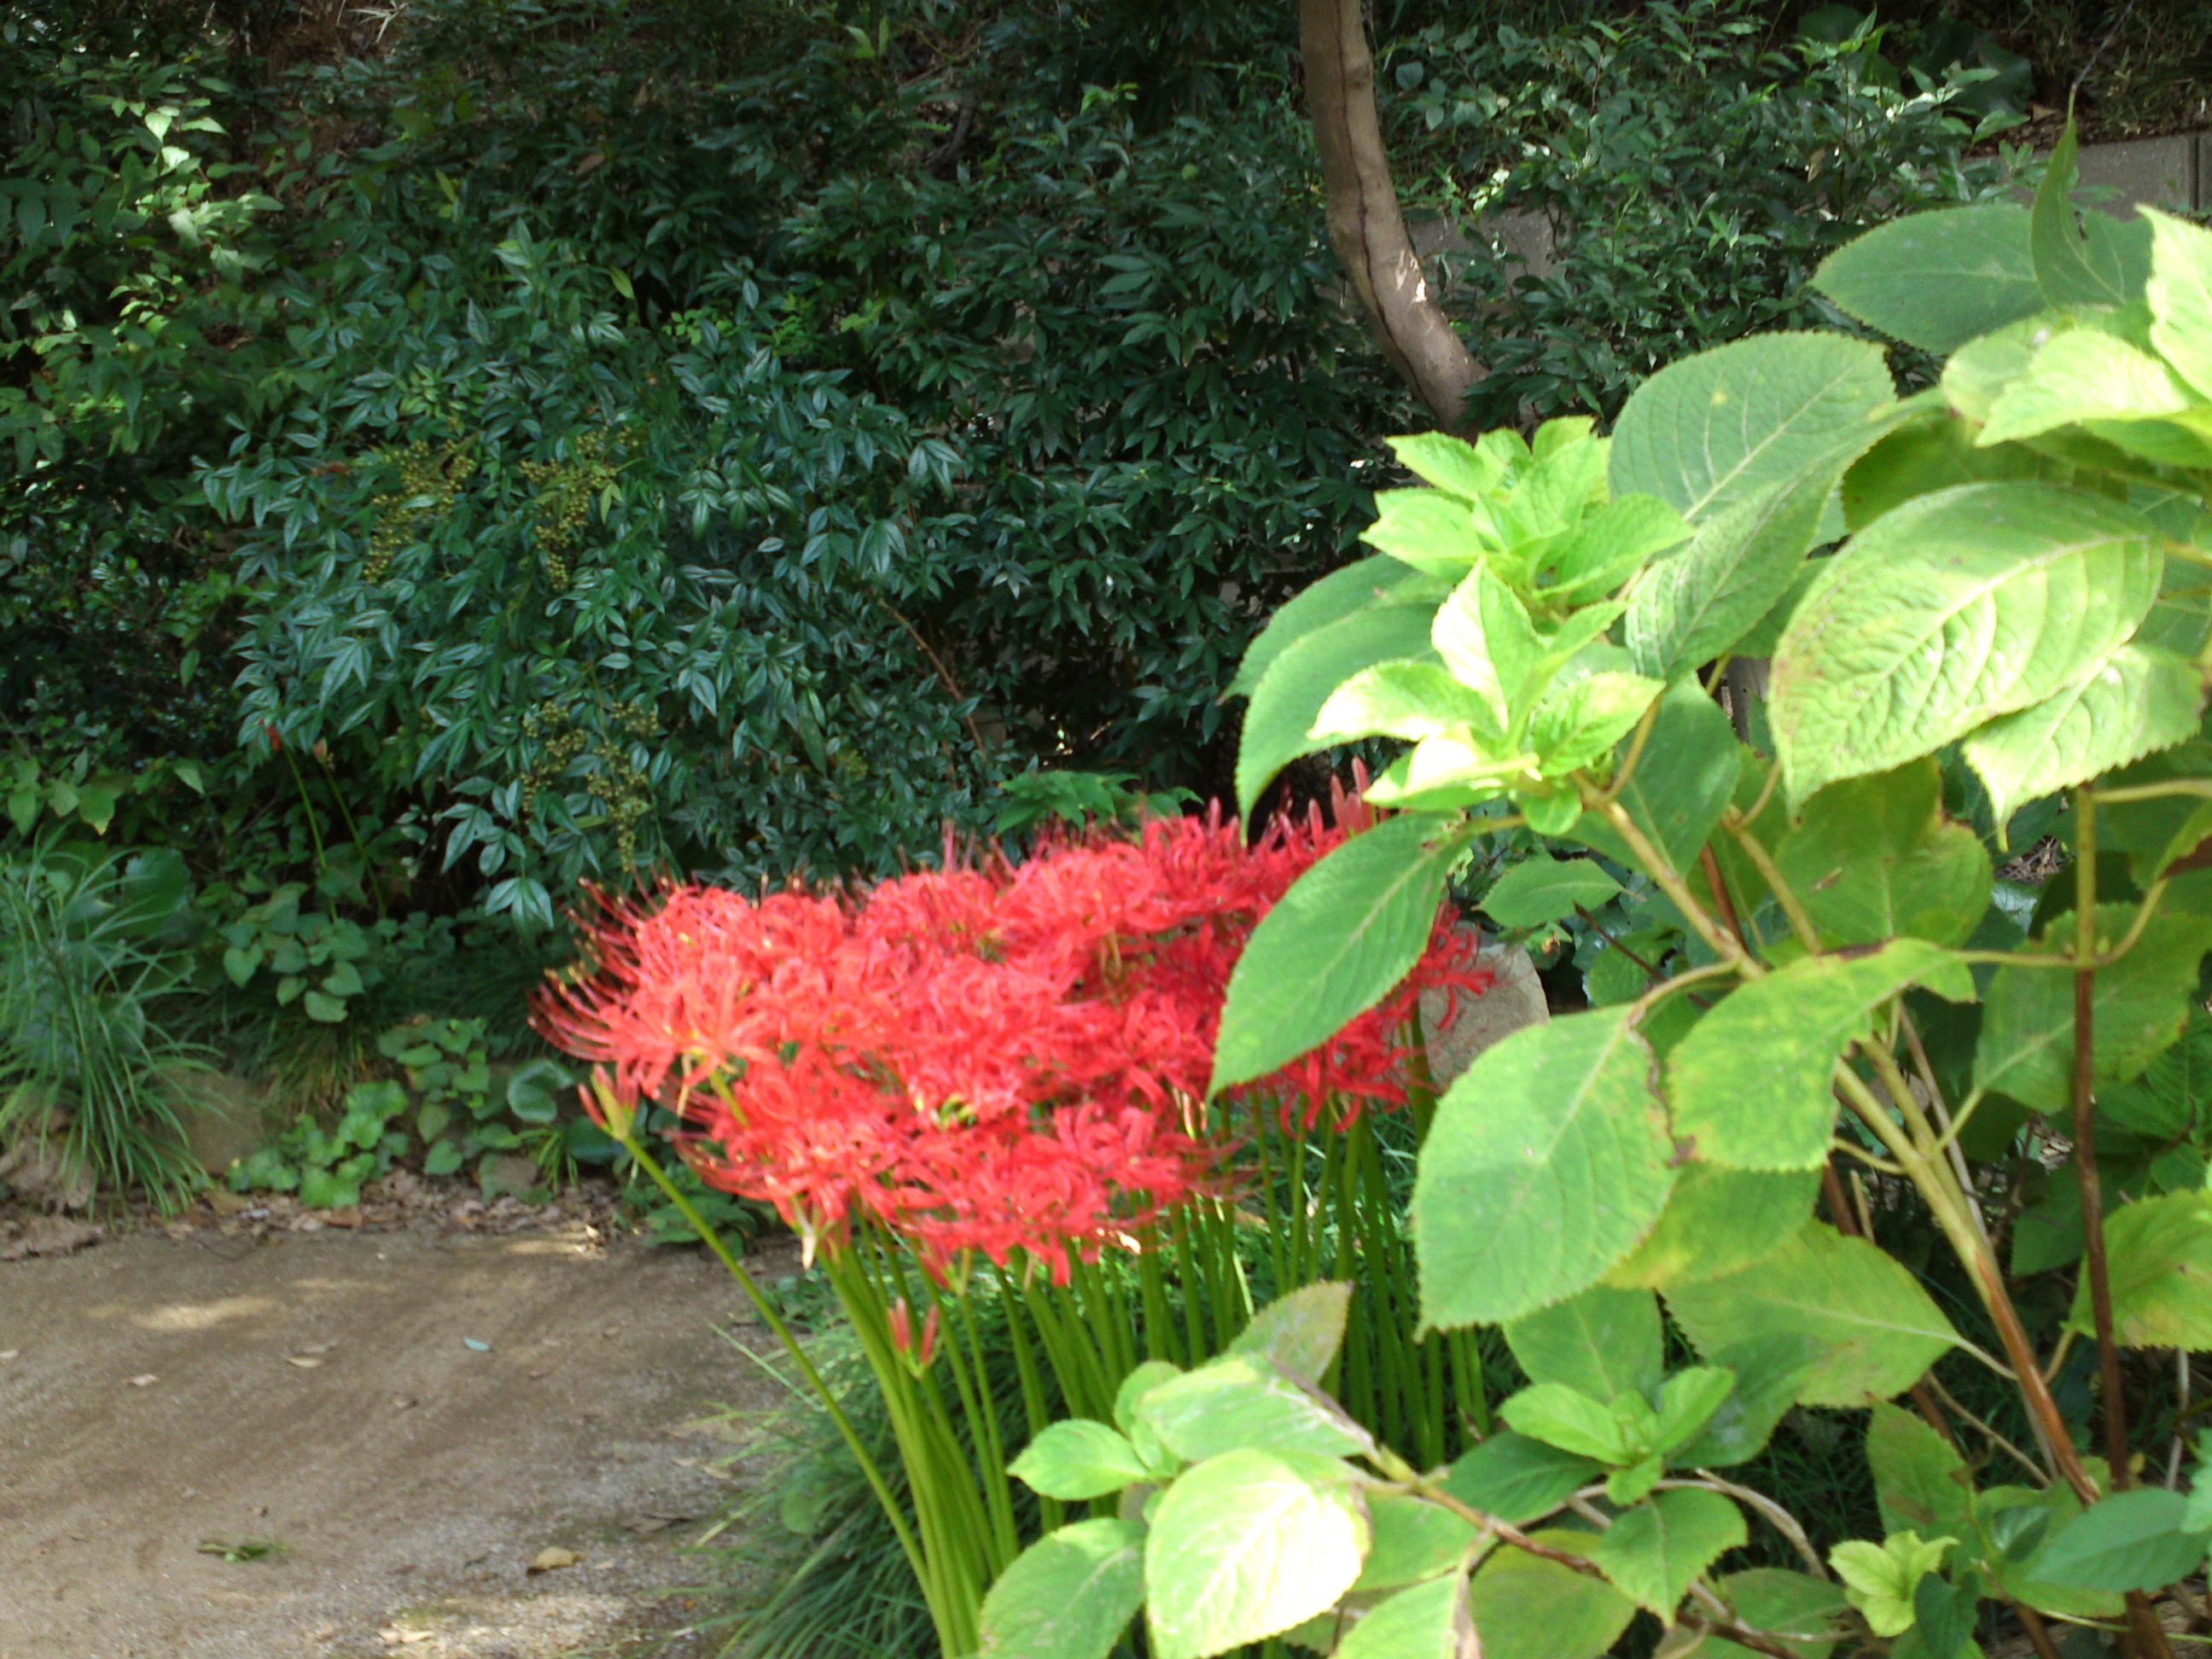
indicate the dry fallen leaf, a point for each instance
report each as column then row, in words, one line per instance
column 551, row 1559
column 9, row 1353
column 304, row 1363
column 144, row 1380
column 392, row 1636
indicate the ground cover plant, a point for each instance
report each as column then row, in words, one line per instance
column 1834, row 997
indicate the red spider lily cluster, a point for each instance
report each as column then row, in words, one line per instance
column 990, row 1057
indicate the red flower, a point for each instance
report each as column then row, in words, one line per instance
column 990, row 1058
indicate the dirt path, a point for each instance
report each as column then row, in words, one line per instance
column 412, row 1419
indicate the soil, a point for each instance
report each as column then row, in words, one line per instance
column 412, row 1416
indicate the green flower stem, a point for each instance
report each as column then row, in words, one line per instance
column 869, row 1471
column 1800, row 919
column 1722, row 944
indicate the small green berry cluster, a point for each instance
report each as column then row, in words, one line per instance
column 430, row 477
column 564, row 492
column 618, row 783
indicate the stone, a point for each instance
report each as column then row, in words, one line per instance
column 1516, row 1000
column 224, row 1117
column 2159, row 173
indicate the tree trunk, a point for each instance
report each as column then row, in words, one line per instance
column 1366, row 226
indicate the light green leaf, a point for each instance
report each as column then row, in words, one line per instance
column 1413, row 1539
column 1518, row 1479
column 1528, row 1607
column 1248, row 1544
column 1428, row 1621
column 1953, row 610
column 1716, row 429
column 1435, row 533
column 1682, row 781
column 2138, row 700
column 1300, row 1331
column 1547, row 1163
column 322, row 1007
column 2084, row 375
column 1697, row 604
column 1483, row 635
column 1876, row 858
column 1408, row 699
column 1442, row 775
column 1240, row 1401
column 1937, row 280
column 1920, row 1481
column 1654, row 1550
column 2161, row 1255
column 1069, row 1596
column 1077, row 1459
column 2132, row 1541
column 1877, row 1329
column 1771, row 1372
column 1576, row 723
column 1687, row 1401
column 1570, row 1420
column 2026, row 1048
column 1718, row 1221
column 1468, row 470
column 1358, row 586
column 2180, row 295
column 1294, row 687
column 1600, row 553
column 1335, row 945
column 1750, row 1085
column 1604, row 1342
column 1134, row 1387
column 2096, row 260
column 1542, row 890
column 1934, row 453
column 1796, row 1607
column 1878, row 1579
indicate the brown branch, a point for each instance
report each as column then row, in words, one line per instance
column 943, row 674
column 1366, row 227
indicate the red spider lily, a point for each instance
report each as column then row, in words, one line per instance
column 990, row 1058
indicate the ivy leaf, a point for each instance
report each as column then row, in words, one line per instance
column 2138, row 700
column 2160, row 1254
column 1603, row 1342
column 1428, row 1621
column 2180, row 295
column 1717, row 1222
column 1948, row 612
column 1528, row 1607
column 1069, row 1596
column 1300, row 1331
column 1517, row 1478
column 1079, row 1459
column 1295, row 686
column 1547, row 1162
column 1682, row 782
column 2026, row 1048
column 1716, row 429
column 1655, row 1550
column 1247, row 1545
column 2131, row 1540
column 1542, row 890
column 1877, row 1330
column 1876, row 858
column 1750, row 1085
column 1937, row 280
column 1695, row 604
column 1337, row 943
